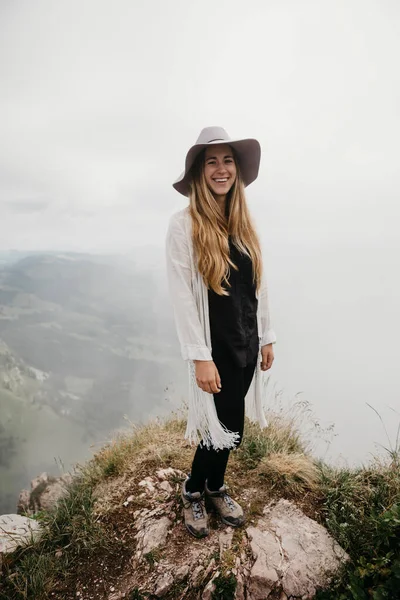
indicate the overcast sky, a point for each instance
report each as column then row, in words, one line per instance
column 100, row 100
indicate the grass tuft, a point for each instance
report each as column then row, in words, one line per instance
column 280, row 436
column 293, row 473
column 354, row 501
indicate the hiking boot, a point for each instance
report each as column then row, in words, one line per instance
column 230, row 511
column 194, row 512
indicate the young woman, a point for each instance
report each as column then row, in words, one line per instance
column 220, row 301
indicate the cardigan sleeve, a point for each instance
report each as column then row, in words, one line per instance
column 179, row 276
column 267, row 333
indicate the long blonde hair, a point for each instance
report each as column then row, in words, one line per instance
column 210, row 229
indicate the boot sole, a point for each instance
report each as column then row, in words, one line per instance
column 194, row 534
column 232, row 524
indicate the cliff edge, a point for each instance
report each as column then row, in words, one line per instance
column 114, row 530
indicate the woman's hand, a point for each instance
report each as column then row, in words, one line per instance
column 267, row 357
column 207, row 376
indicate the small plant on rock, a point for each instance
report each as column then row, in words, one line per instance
column 225, row 587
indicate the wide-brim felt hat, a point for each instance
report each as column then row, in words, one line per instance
column 248, row 153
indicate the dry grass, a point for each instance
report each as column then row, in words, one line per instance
column 267, row 459
column 270, row 461
column 155, row 444
column 280, row 436
column 295, row 473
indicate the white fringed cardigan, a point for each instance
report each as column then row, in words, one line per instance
column 189, row 296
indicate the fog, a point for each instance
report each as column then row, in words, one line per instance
column 100, row 102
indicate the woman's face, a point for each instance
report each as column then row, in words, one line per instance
column 219, row 168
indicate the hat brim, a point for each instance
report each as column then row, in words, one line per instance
column 248, row 153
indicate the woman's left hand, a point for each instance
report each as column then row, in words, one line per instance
column 267, row 357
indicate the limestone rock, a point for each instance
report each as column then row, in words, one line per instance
column 148, row 485
column 285, row 555
column 166, row 487
column 209, row 569
column 163, row 584
column 23, row 502
column 15, row 531
column 45, row 492
column 239, row 593
column 225, row 540
column 181, row 573
column 209, row 589
column 169, row 473
column 161, row 483
column 292, row 553
column 129, row 500
column 196, row 575
column 153, row 534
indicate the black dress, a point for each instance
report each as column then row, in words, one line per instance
column 235, row 344
column 233, row 318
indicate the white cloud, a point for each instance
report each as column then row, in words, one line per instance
column 101, row 101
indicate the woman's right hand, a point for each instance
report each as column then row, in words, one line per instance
column 207, row 376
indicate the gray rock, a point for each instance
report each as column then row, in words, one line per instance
column 208, row 591
column 168, row 473
column 239, row 593
column 181, row 573
column 45, row 492
column 163, row 584
column 148, row 485
column 293, row 554
column 210, row 588
column 15, row 531
column 197, row 575
column 153, row 534
column 209, row 569
column 23, row 502
column 225, row 540
column 166, row 487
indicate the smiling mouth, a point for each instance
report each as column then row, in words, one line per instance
column 221, row 180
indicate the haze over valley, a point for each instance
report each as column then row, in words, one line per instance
column 81, row 346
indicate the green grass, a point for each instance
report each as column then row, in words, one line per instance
column 361, row 510
column 281, row 435
column 355, row 500
column 225, row 587
column 70, row 534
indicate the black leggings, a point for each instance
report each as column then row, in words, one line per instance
column 211, row 464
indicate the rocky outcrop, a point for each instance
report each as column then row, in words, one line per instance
column 15, row 531
column 14, row 373
column 291, row 553
column 19, row 529
column 284, row 555
column 45, row 491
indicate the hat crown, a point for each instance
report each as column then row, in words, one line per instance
column 209, row 135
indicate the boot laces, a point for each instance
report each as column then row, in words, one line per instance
column 228, row 500
column 197, row 508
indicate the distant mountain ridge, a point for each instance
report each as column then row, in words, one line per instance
column 88, row 337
